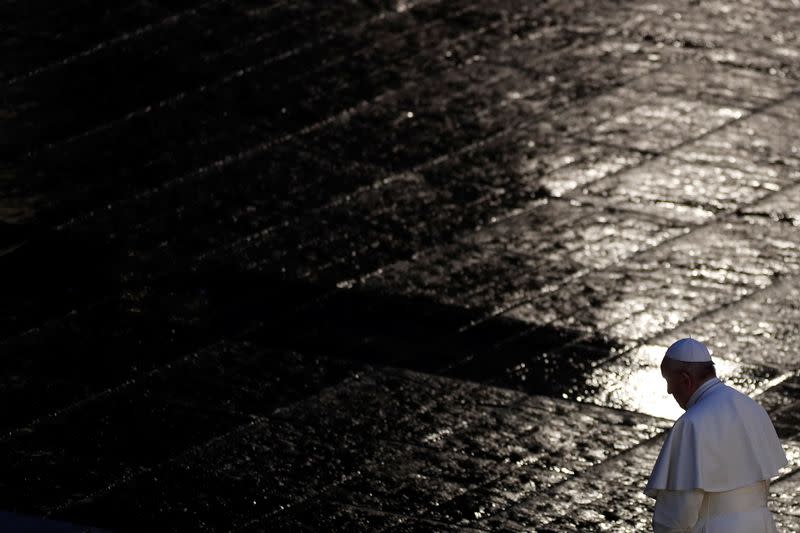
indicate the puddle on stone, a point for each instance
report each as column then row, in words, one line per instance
column 633, row 382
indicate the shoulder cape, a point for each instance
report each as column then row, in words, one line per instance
column 723, row 442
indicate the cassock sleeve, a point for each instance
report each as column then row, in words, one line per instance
column 677, row 511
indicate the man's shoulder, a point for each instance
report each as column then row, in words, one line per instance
column 726, row 393
column 719, row 398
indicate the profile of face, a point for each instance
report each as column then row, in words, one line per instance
column 679, row 382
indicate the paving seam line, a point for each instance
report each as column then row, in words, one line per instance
column 254, row 419
column 782, row 278
column 246, row 238
column 197, row 448
column 554, row 485
column 533, row 207
column 263, row 147
column 139, row 471
column 54, row 320
column 587, row 335
column 604, row 464
column 404, row 518
column 184, row 178
column 705, row 49
column 92, row 211
column 570, row 195
column 716, row 220
column 345, row 197
column 783, row 374
column 223, row 80
column 726, row 165
column 125, row 36
column 196, row 354
column 243, row 155
column 523, row 398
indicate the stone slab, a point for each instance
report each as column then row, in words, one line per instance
column 416, row 446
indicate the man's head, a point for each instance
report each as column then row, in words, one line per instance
column 686, row 365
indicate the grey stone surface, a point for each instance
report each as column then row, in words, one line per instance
column 387, row 265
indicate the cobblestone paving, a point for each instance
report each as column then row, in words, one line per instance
column 386, row 265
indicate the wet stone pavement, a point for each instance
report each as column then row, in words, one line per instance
column 385, row 265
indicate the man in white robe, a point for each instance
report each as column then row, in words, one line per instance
column 713, row 472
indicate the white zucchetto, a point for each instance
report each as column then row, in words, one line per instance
column 689, row 351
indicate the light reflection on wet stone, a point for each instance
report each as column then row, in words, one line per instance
column 743, row 333
column 634, row 382
column 527, row 253
column 782, row 207
column 674, row 283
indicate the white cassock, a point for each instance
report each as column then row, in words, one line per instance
column 713, row 472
